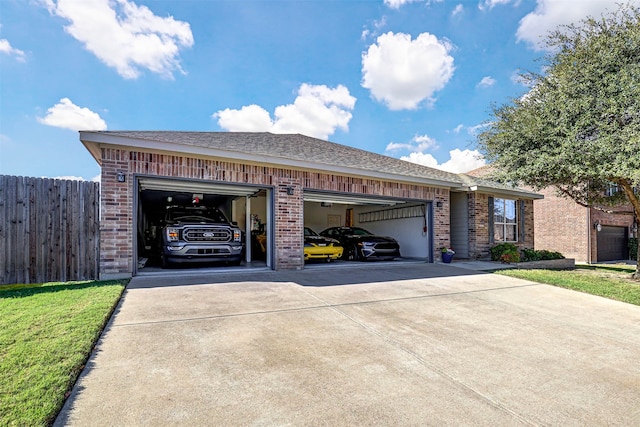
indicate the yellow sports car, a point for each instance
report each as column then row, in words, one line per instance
column 319, row 247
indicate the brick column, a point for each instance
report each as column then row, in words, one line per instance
column 441, row 223
column 116, row 210
column 289, row 223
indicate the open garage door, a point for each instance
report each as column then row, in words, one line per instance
column 408, row 222
column 207, row 224
column 612, row 243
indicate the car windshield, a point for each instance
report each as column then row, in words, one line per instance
column 196, row 215
column 309, row 232
column 357, row 231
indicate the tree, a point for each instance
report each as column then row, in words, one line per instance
column 578, row 127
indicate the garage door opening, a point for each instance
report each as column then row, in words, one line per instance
column 407, row 222
column 183, row 225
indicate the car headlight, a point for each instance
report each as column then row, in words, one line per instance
column 237, row 236
column 173, row 234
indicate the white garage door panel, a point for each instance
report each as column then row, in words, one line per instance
column 407, row 231
column 195, row 187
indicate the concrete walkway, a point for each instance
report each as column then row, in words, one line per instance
column 407, row 344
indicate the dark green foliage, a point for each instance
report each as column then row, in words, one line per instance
column 578, row 128
column 633, row 248
column 540, row 255
column 504, row 249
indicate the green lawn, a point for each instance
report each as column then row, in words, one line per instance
column 47, row 332
column 610, row 281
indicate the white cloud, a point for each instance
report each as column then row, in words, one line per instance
column 457, row 10
column 67, row 115
column 474, row 130
column 490, row 4
column 418, row 143
column 486, row 81
column 458, row 128
column 460, row 161
column 397, row 4
column 517, row 78
column 402, row 72
column 125, row 36
column 378, row 25
column 250, row 118
column 549, row 14
column 317, row 111
column 69, row 178
column 6, row 48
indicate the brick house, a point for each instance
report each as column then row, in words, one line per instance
column 585, row 234
column 285, row 182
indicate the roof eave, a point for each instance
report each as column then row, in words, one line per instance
column 93, row 141
column 502, row 192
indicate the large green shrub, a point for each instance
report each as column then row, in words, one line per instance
column 633, row 248
column 505, row 252
column 534, row 255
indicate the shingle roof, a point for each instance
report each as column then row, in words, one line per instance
column 486, row 185
column 292, row 146
column 282, row 148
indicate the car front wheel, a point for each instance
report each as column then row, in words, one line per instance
column 352, row 253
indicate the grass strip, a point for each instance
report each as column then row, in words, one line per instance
column 47, row 332
column 609, row 282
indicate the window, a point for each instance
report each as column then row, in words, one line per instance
column 505, row 221
column 611, row 189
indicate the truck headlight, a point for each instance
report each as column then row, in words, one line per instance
column 173, row 234
column 237, row 236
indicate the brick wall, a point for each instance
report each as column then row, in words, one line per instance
column 623, row 219
column 117, row 200
column 564, row 226
column 479, row 239
column 116, row 221
column 441, row 222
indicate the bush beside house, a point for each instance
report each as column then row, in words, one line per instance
column 508, row 253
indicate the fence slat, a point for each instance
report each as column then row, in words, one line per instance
column 49, row 230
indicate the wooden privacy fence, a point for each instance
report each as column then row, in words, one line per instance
column 49, row 230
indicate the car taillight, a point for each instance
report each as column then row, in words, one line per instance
column 173, row 234
column 237, row 236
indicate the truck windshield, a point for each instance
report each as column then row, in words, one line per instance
column 197, row 215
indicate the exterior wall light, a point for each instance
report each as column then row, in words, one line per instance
column 290, row 191
column 439, row 204
column 597, row 226
column 122, row 177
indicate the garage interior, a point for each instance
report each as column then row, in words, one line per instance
column 407, row 221
column 250, row 207
column 247, row 206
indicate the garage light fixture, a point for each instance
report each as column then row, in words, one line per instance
column 597, row 226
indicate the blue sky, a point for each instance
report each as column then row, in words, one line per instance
column 412, row 79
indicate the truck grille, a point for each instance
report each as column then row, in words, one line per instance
column 207, row 235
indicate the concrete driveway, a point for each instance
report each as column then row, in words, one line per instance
column 406, row 344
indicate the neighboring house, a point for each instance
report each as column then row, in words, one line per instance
column 585, row 234
column 277, row 184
